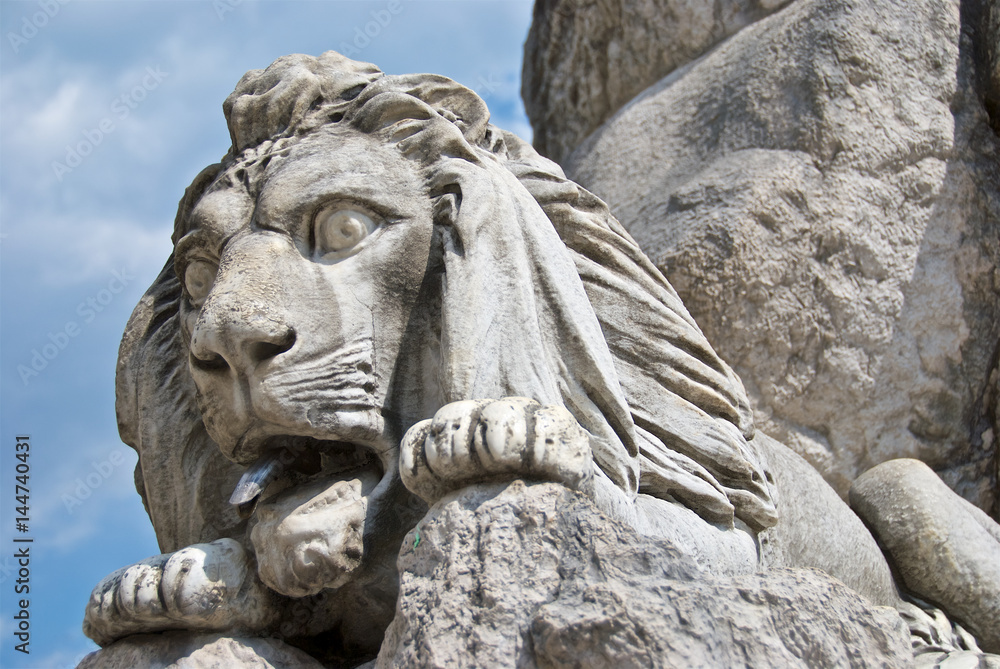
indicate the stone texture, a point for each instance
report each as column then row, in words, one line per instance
column 940, row 642
column 817, row 529
column 203, row 587
column 534, row 576
column 988, row 27
column 182, row 650
column 944, row 549
column 821, row 190
column 583, row 60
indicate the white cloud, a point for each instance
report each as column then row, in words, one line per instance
column 44, row 103
column 57, row 116
column 61, row 250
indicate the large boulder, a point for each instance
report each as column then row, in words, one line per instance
column 822, row 189
column 584, row 59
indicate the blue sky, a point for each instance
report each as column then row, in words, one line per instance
column 138, row 88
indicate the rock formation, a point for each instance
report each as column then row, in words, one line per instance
column 821, row 188
column 552, row 584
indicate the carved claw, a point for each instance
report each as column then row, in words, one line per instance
column 204, row 587
column 476, row 441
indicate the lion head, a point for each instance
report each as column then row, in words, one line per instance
column 370, row 249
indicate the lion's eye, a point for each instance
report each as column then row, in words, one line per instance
column 199, row 277
column 339, row 230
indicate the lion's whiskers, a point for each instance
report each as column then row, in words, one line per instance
column 342, row 376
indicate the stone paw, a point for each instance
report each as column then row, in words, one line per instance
column 475, row 441
column 204, row 587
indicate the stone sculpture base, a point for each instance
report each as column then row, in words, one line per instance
column 533, row 575
column 191, row 650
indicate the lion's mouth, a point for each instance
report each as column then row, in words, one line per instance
column 292, row 461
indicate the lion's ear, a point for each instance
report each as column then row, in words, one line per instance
column 192, row 194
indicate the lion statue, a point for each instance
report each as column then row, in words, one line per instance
column 377, row 298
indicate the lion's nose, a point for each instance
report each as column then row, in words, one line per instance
column 239, row 337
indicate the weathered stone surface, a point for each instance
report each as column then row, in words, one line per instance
column 988, row 28
column 532, row 575
column 940, row 642
column 821, row 190
column 817, row 529
column 182, row 650
column 585, row 60
column 944, row 549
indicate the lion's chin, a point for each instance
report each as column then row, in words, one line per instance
column 310, row 520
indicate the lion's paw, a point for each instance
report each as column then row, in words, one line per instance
column 476, row 441
column 204, row 587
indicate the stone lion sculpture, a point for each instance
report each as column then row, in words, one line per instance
column 377, row 298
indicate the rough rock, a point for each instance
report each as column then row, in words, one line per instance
column 185, row 650
column 989, row 43
column 585, row 60
column 532, row 575
column 945, row 550
column 822, row 191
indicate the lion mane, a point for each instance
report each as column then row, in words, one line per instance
column 584, row 319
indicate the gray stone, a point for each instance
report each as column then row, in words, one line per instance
column 583, row 60
column 987, row 25
column 532, row 575
column 182, row 650
column 944, row 549
column 821, row 190
column 940, row 642
column 817, row 529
